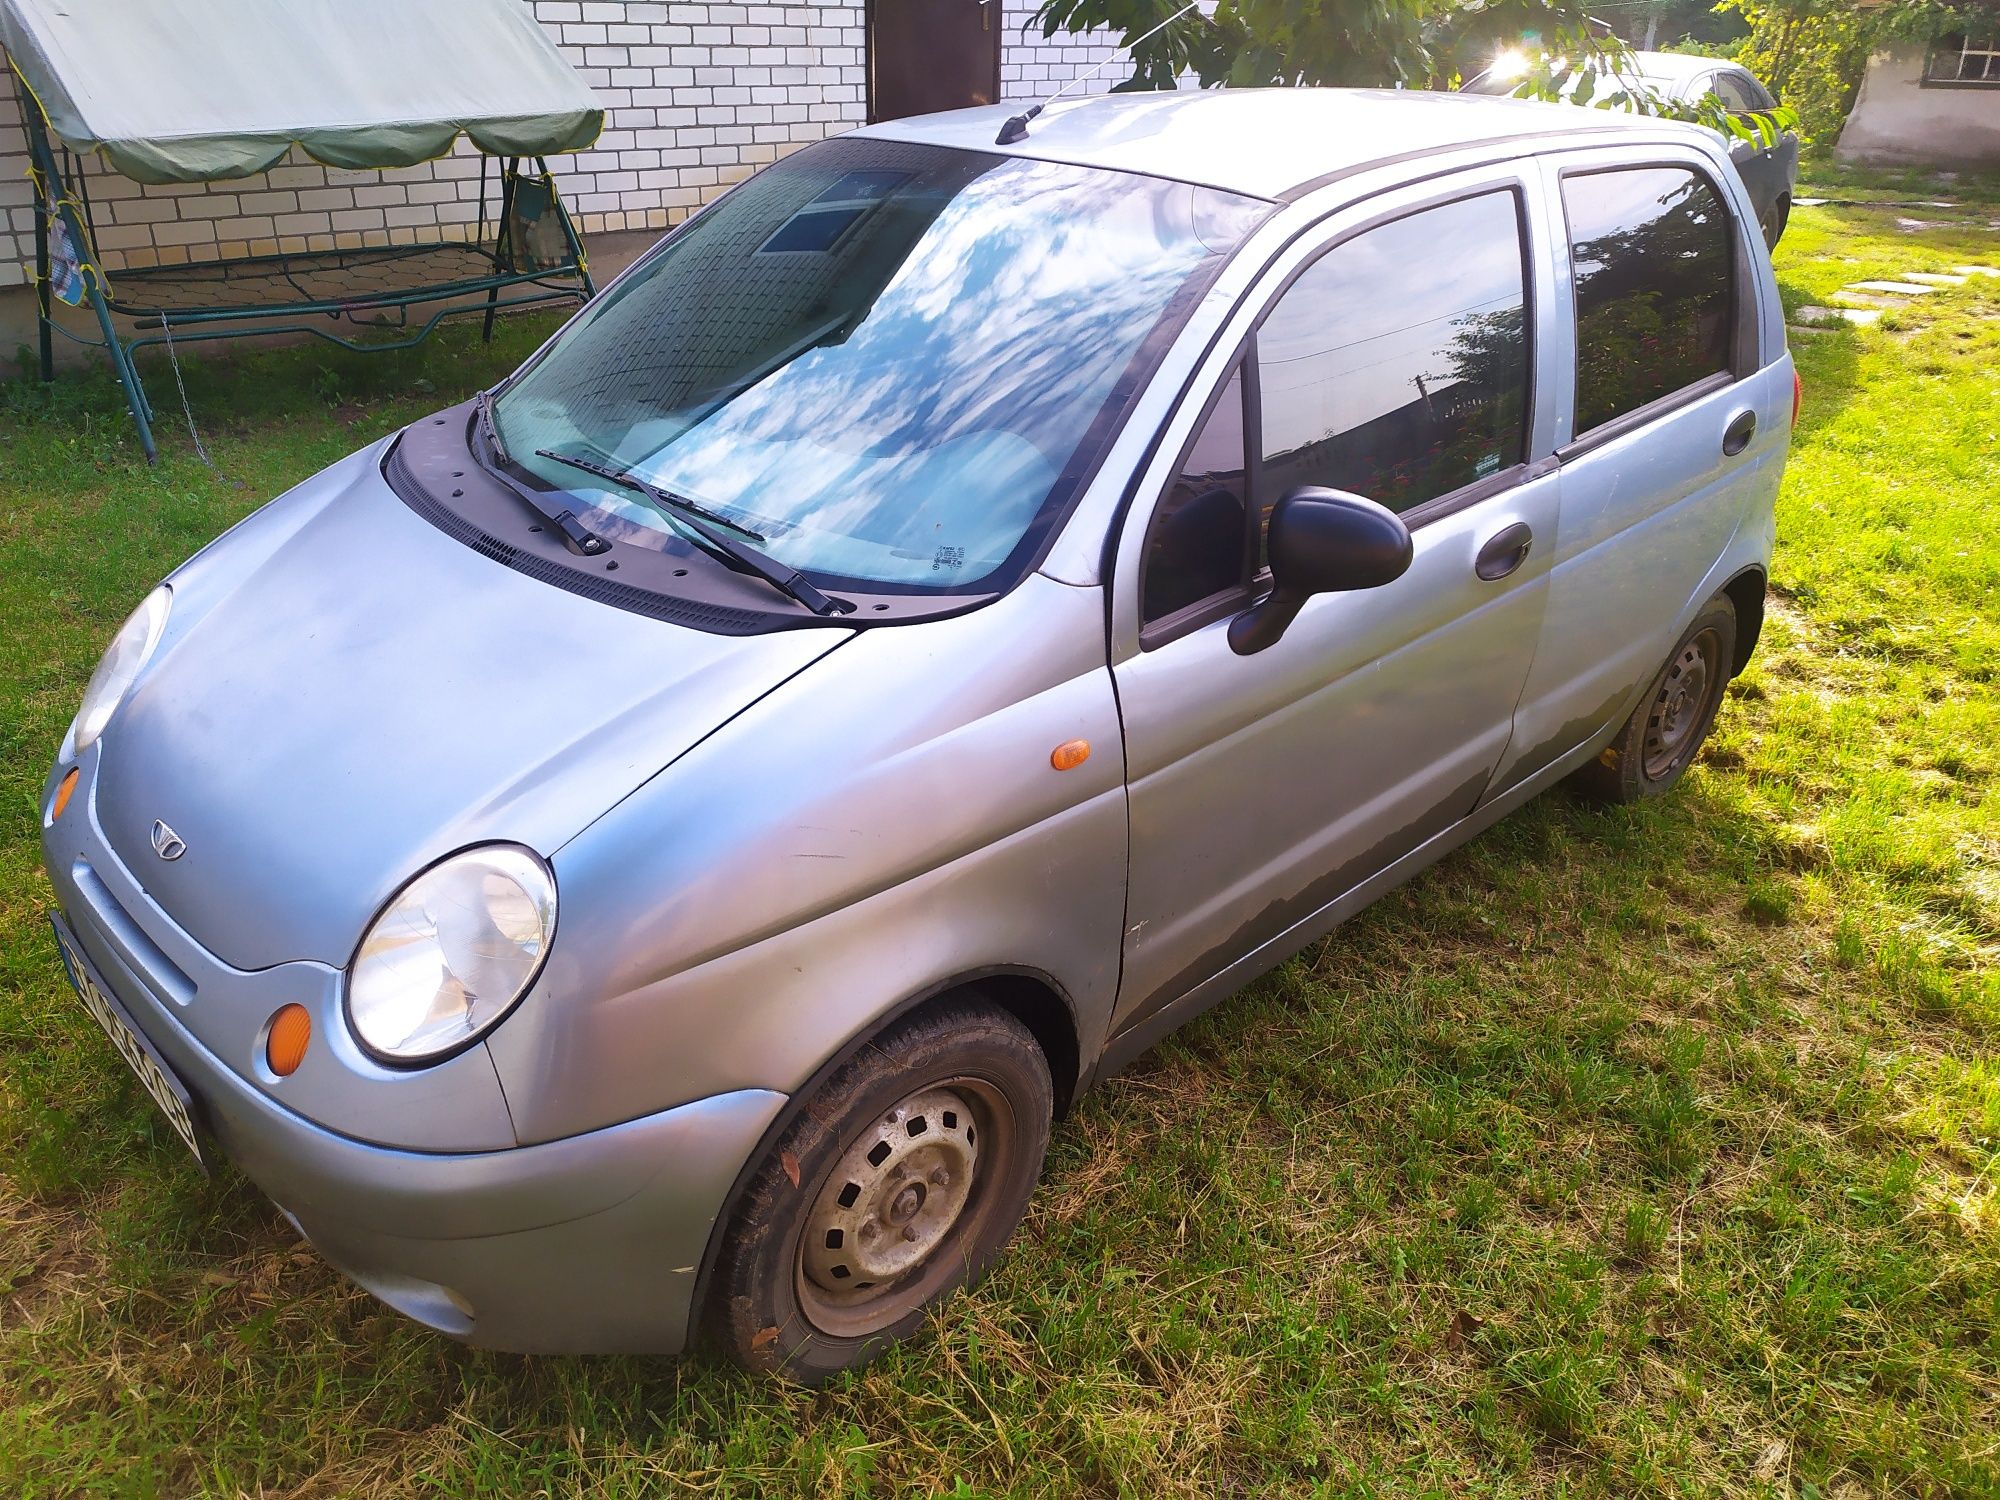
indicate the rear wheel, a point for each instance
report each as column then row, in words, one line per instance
column 1657, row 744
column 899, row 1181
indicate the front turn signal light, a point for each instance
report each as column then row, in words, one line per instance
column 63, row 793
column 1070, row 755
column 285, row 1047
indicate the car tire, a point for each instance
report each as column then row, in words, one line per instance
column 898, row 1182
column 1654, row 747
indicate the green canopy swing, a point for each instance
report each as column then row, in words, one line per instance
column 167, row 91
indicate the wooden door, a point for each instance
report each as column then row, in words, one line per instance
column 928, row 55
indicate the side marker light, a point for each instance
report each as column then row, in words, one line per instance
column 63, row 793
column 1067, row 757
column 285, row 1048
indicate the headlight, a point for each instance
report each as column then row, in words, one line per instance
column 120, row 668
column 452, row 953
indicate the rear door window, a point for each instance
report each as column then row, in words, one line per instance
column 1740, row 93
column 1653, row 250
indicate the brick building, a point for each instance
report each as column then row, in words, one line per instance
column 697, row 96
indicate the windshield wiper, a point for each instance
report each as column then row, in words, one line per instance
column 705, row 524
column 580, row 536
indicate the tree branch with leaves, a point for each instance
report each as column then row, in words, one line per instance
column 1387, row 43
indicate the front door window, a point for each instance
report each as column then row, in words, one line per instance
column 1395, row 367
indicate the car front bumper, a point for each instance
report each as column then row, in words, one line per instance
column 591, row 1244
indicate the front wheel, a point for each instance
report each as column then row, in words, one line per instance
column 1654, row 748
column 898, row 1182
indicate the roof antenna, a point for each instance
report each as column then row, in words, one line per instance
column 1016, row 128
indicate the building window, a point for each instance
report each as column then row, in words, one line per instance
column 1964, row 60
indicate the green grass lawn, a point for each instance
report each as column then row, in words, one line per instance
column 1628, row 1153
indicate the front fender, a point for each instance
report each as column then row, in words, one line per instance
column 887, row 820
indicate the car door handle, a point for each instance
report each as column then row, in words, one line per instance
column 1504, row 552
column 1742, row 427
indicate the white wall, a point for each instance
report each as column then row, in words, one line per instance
column 697, row 96
column 1897, row 120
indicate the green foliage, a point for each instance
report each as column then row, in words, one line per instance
column 1350, row 43
column 1602, row 78
column 1812, row 53
column 1373, row 43
column 1674, row 25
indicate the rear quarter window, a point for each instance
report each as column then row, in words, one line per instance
column 1653, row 252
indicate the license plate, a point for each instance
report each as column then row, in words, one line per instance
column 174, row 1101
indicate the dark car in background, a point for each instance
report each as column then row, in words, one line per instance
column 1770, row 171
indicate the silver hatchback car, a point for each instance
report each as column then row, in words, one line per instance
column 651, row 851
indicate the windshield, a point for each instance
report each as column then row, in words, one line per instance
column 891, row 364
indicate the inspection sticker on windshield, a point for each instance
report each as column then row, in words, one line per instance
column 174, row 1101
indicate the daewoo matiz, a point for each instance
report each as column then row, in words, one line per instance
column 652, row 850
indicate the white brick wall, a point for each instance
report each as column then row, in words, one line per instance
column 1032, row 67
column 696, row 96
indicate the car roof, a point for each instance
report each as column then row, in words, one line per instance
column 1676, row 67
column 1267, row 142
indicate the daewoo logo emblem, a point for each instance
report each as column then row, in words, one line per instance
column 166, row 843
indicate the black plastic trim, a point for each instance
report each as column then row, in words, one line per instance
column 717, row 620
column 682, row 584
column 1527, row 143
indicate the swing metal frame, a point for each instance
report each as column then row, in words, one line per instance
column 166, row 304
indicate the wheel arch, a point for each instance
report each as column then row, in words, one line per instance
column 1745, row 593
column 1031, row 996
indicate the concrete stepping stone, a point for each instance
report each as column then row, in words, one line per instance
column 1811, row 316
column 1891, row 288
column 1975, row 270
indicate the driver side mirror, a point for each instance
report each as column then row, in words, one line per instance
column 1322, row 542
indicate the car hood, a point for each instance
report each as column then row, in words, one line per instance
column 344, row 695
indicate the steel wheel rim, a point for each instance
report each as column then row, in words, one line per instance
column 1680, row 708
column 884, row 1236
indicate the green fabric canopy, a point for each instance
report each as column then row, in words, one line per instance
column 196, row 90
